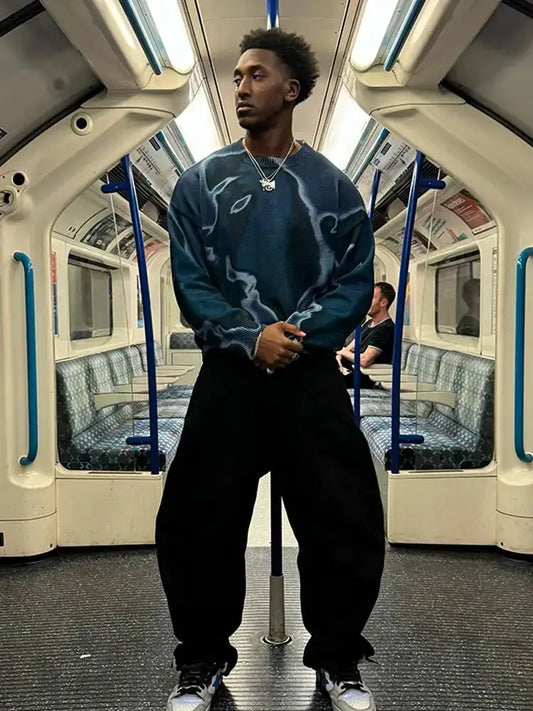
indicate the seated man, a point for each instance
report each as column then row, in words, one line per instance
column 469, row 323
column 377, row 337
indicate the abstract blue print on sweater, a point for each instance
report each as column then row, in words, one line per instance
column 243, row 258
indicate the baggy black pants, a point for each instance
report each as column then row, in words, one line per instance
column 242, row 423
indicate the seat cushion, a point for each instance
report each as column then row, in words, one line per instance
column 442, row 448
column 105, row 449
column 182, row 340
column 176, row 392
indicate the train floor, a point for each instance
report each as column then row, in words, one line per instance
column 88, row 630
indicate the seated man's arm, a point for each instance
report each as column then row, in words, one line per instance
column 368, row 356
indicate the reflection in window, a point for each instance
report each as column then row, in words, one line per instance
column 90, row 299
column 458, row 296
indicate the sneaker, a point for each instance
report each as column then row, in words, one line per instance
column 197, row 684
column 345, row 689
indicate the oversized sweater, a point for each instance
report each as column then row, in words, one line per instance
column 243, row 258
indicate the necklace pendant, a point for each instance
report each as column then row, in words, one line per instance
column 268, row 185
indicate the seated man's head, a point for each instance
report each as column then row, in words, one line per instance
column 470, row 295
column 384, row 295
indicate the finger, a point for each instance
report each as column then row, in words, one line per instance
column 292, row 346
column 294, row 330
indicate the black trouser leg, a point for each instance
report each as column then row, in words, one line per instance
column 203, row 520
column 332, row 500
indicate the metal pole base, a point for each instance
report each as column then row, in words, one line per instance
column 276, row 630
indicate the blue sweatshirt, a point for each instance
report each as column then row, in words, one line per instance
column 243, row 258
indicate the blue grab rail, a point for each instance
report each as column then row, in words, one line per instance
column 272, row 11
column 357, row 335
column 521, row 267
column 383, row 135
column 31, row 359
column 171, row 153
column 416, row 183
column 129, row 187
column 403, row 34
column 136, row 24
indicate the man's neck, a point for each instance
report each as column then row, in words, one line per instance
column 273, row 142
column 379, row 318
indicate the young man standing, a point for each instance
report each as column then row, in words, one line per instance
column 272, row 259
column 377, row 336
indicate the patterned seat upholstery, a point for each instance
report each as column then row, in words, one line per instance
column 182, row 340
column 141, row 347
column 91, row 439
column 383, row 408
column 454, row 438
column 176, row 392
column 419, row 360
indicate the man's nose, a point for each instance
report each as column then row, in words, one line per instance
column 243, row 90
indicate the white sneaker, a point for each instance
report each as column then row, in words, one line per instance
column 346, row 689
column 197, row 684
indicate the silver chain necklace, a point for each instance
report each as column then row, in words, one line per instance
column 268, row 183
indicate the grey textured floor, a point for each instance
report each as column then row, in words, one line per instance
column 88, row 630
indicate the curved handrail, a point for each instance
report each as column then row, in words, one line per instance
column 31, row 359
column 396, row 438
column 129, row 187
column 145, row 42
column 403, row 34
column 521, row 267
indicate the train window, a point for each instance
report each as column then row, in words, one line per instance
column 90, row 299
column 457, row 296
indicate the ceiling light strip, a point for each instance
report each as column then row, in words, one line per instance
column 137, row 27
column 403, row 34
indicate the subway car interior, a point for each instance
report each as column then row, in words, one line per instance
column 427, row 107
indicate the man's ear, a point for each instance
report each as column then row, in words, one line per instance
column 293, row 91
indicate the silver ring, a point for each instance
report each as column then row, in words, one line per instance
column 294, row 357
column 269, row 371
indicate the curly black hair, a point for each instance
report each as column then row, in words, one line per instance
column 292, row 50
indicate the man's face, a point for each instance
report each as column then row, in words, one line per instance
column 378, row 302
column 262, row 88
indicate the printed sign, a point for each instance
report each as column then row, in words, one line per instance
column 394, row 157
column 101, row 234
column 470, row 211
column 54, row 294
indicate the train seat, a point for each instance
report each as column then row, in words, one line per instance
column 422, row 361
column 182, row 340
column 95, row 439
column 458, row 437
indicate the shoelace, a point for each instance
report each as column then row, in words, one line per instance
column 347, row 677
column 194, row 678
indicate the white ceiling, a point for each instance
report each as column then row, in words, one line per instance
column 224, row 23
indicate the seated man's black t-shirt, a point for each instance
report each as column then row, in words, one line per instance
column 381, row 337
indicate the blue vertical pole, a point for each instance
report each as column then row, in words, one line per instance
column 272, row 10
column 357, row 335
column 417, row 182
column 276, row 634
column 129, row 187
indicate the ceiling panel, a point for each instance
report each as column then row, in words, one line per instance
column 8, row 7
column 226, row 23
